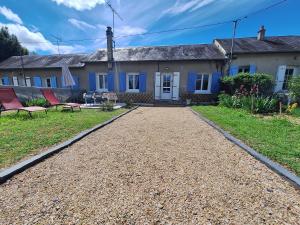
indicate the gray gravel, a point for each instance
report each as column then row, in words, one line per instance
column 152, row 166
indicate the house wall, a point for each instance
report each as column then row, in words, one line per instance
column 43, row 73
column 150, row 68
column 268, row 63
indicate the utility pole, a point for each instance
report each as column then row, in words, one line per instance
column 114, row 12
column 22, row 67
column 58, row 39
column 235, row 23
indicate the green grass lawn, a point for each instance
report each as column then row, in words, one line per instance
column 296, row 113
column 21, row 135
column 276, row 138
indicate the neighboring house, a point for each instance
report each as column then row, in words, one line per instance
column 160, row 73
column 278, row 56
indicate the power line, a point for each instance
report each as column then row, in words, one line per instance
column 176, row 29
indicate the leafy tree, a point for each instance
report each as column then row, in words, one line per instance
column 9, row 45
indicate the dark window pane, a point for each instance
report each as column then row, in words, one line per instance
column 247, row 70
column 130, row 79
column 48, row 82
column 288, row 75
column 244, row 69
column 137, row 82
column 101, row 82
column 105, row 80
column 166, row 90
column 198, row 82
column 205, row 82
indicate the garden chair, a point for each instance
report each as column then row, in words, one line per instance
column 110, row 96
column 53, row 101
column 10, row 101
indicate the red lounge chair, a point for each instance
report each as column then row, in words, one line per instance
column 10, row 101
column 51, row 98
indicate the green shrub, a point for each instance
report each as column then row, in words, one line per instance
column 225, row 100
column 264, row 82
column 37, row 102
column 294, row 87
column 254, row 104
column 227, row 84
column 265, row 105
column 129, row 104
column 108, row 106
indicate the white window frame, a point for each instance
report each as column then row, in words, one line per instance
column 243, row 68
column 103, row 89
column 46, row 82
column 1, row 83
column 294, row 68
column 127, row 82
column 15, row 81
column 28, row 84
column 208, row 91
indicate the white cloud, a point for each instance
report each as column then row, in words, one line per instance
column 180, row 7
column 81, row 24
column 10, row 15
column 80, row 4
column 128, row 30
column 35, row 41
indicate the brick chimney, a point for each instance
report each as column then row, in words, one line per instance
column 261, row 33
column 110, row 56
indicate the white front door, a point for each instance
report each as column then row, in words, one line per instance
column 166, row 86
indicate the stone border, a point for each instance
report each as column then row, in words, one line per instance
column 292, row 178
column 20, row 167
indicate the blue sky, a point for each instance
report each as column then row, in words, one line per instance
column 36, row 21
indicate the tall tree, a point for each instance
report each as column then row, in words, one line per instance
column 9, row 45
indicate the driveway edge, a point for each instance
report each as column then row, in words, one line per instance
column 292, row 178
column 20, row 167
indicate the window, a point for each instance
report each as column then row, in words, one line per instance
column 48, row 82
column 244, row 69
column 101, row 82
column 289, row 72
column 1, row 81
column 133, row 83
column 202, row 83
column 28, row 81
column 15, row 81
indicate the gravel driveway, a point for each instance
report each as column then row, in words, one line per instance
column 152, row 166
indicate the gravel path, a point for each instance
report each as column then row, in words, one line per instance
column 152, row 166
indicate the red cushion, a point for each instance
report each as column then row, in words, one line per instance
column 9, row 99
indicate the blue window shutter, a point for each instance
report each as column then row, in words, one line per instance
column 37, row 81
column 252, row 69
column 5, row 80
column 215, row 82
column 92, row 81
column 122, row 82
column 143, row 82
column 53, row 82
column 110, row 81
column 76, row 79
column 191, row 82
column 233, row 70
